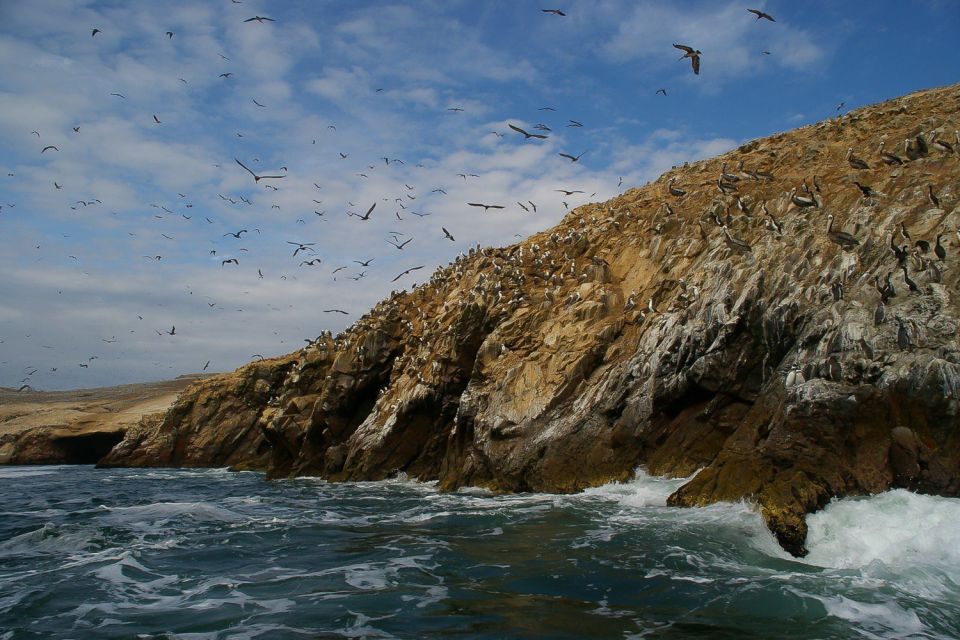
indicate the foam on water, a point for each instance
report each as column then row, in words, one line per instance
column 222, row 555
column 27, row 472
column 644, row 490
column 162, row 512
column 897, row 528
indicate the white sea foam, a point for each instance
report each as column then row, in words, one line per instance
column 644, row 490
column 877, row 620
column 27, row 472
column 897, row 528
column 164, row 511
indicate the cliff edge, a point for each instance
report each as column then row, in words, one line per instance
column 759, row 316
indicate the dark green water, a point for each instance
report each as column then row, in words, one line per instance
column 212, row 554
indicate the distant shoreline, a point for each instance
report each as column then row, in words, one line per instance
column 62, row 427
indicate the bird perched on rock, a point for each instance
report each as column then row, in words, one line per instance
column 842, row 238
column 736, row 243
column 889, row 159
column 903, row 335
column 855, row 162
column 675, row 191
column 794, row 377
column 866, row 190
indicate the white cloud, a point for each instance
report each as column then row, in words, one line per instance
column 731, row 39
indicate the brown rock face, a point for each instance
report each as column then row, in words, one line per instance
column 80, row 426
column 656, row 330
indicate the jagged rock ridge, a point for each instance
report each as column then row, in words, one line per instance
column 656, row 329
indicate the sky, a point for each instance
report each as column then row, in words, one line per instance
column 113, row 239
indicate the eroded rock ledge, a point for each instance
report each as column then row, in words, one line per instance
column 541, row 366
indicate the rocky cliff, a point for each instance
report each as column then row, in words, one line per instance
column 79, row 426
column 758, row 316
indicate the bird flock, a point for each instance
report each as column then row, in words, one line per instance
column 309, row 254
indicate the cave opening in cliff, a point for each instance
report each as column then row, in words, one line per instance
column 695, row 396
column 87, row 448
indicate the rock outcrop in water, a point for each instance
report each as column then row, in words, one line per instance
column 658, row 329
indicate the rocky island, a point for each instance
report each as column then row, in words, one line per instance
column 782, row 318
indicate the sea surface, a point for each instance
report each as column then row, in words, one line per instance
column 88, row 553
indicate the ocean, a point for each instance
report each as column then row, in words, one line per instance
column 198, row 554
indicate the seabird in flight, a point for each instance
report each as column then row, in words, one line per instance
column 365, row 216
column 527, row 136
column 256, row 178
column 761, row 14
column 693, row 54
column 486, row 207
column 406, row 272
column 570, row 157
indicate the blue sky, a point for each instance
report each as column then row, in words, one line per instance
column 368, row 80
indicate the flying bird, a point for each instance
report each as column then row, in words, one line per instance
column 663, row 91
column 566, row 192
column 258, row 104
column 693, row 54
column 406, row 272
column 169, row 34
column 336, row 311
column 570, row 157
column 555, row 12
column 229, row 261
column 402, row 244
column 575, row 123
column 259, row 19
column 49, row 146
column 95, row 32
column 302, row 246
column 486, row 207
column 256, row 178
column 527, row 136
column 447, row 235
column 235, row 235
column 365, row 216
column 761, row 14
column 156, row 119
